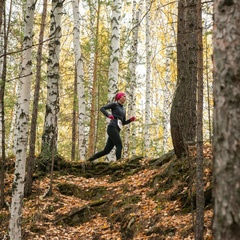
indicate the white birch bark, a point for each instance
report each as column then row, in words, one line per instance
column 129, row 146
column 22, row 126
column 49, row 138
column 114, row 49
column 147, row 137
column 114, row 57
column 80, row 81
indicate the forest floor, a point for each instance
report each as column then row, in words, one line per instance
column 138, row 198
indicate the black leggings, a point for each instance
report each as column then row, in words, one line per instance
column 114, row 139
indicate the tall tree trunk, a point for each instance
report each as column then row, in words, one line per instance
column 176, row 128
column 183, row 111
column 94, row 90
column 199, row 166
column 226, row 145
column 33, row 128
column 3, row 72
column 147, row 138
column 114, row 57
column 2, row 15
column 80, row 81
column 2, row 132
column 90, row 71
column 4, row 39
column 50, row 132
column 129, row 149
column 22, row 125
column 114, row 49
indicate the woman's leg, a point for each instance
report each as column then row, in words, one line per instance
column 114, row 134
column 107, row 149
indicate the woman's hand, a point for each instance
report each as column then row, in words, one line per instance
column 132, row 119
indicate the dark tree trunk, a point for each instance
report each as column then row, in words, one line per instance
column 226, row 141
column 92, row 138
column 2, row 91
column 199, row 166
column 32, row 140
column 5, row 25
column 183, row 111
column 2, row 7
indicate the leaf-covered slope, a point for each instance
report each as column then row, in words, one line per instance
column 138, row 198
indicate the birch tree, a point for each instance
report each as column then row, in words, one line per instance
column 226, row 147
column 80, row 81
column 148, row 79
column 114, row 49
column 22, row 125
column 50, row 132
column 33, row 127
column 132, row 85
column 114, row 57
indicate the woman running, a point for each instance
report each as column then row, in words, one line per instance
column 118, row 119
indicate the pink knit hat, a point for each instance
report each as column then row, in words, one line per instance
column 119, row 95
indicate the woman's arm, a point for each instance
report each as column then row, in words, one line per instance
column 104, row 109
column 129, row 120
